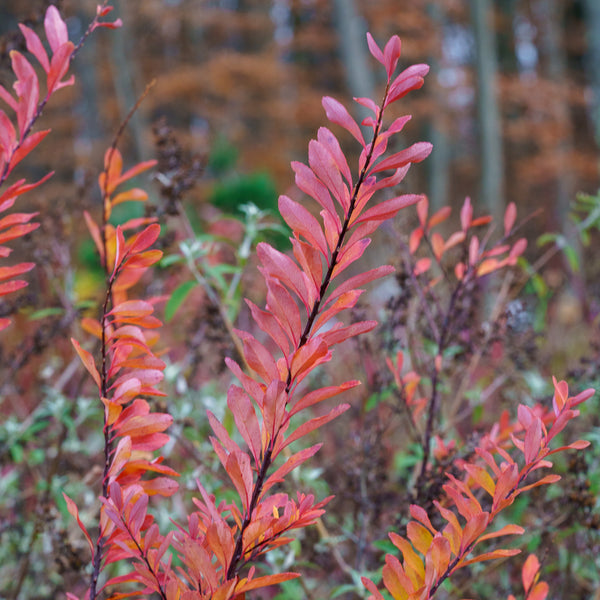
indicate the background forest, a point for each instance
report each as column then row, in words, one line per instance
column 512, row 107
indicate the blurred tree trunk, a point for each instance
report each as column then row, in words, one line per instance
column 439, row 162
column 89, row 124
column 353, row 51
column 507, row 58
column 8, row 22
column 550, row 15
column 490, row 132
column 592, row 21
column 123, row 65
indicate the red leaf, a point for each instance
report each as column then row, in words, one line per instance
column 56, row 28
column 315, row 423
column 332, row 229
column 245, row 418
column 28, row 102
column 35, row 46
column 307, row 181
column 132, row 308
column 121, row 456
column 533, row 439
column 17, row 231
column 283, row 268
column 325, row 168
column 222, row 434
column 330, row 142
column 274, row 408
column 162, row 486
column 252, row 387
column 422, row 265
column 135, row 170
column 302, row 222
column 413, row 154
column 336, row 336
column 143, row 260
column 6, row 272
column 310, row 260
column 474, row 528
column 259, row 358
column 391, row 54
column 283, row 306
column 59, row 65
column 239, row 470
column 506, row 530
column 264, row 581
column 389, row 208
column 361, row 279
column 88, row 362
column 438, row 557
column 439, row 217
column 8, row 98
column 510, row 217
column 271, row 326
column 374, row 49
column 28, row 144
column 290, row 464
column 410, row 79
column 349, row 255
column 319, row 395
column 308, row 356
column 74, row 511
column 345, row 301
column 144, row 239
column 505, row 484
column 337, row 113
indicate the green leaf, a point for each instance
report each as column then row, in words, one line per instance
column 477, row 414
column 170, row 259
column 16, row 452
column 46, row 312
column 451, row 351
column 386, row 546
column 342, row 589
column 549, row 238
column 177, row 297
column 572, row 257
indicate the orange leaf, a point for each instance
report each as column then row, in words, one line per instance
column 420, row 537
column 491, row 556
column 121, row 456
column 88, row 362
column 438, row 555
column 530, row 571
column 260, row 582
column 395, row 579
column 413, row 565
column 74, row 511
column 132, row 195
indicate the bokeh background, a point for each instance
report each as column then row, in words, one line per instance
column 512, row 107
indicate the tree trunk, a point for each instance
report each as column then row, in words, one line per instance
column 490, row 133
column 592, row 21
column 550, row 16
column 439, row 162
column 352, row 40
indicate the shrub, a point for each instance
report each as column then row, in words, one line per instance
column 461, row 491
